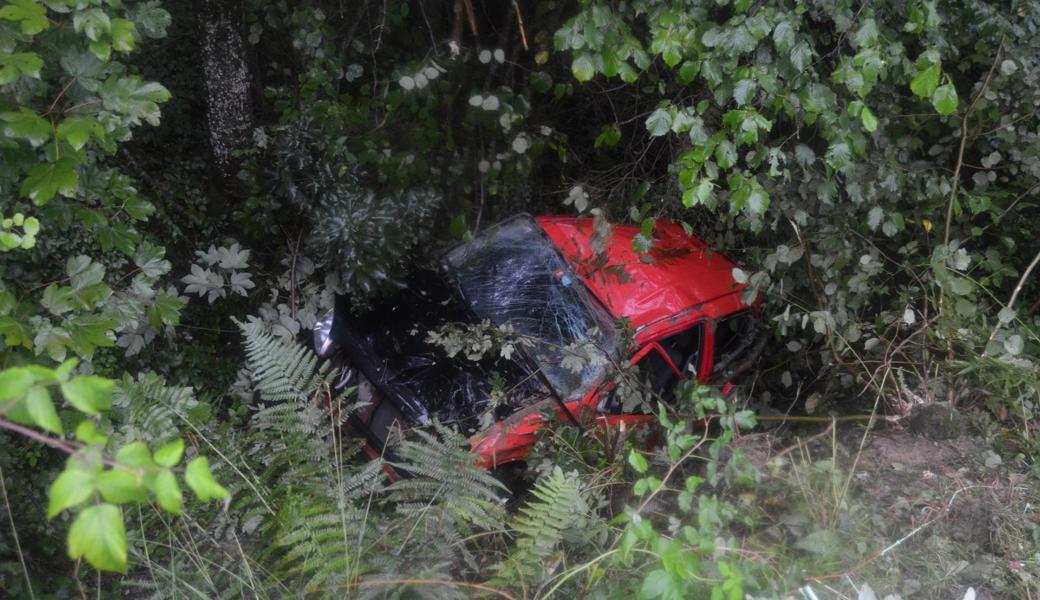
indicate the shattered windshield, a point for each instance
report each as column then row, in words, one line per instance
column 512, row 274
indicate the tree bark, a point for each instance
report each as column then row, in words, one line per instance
column 229, row 106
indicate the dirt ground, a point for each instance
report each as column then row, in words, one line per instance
column 930, row 509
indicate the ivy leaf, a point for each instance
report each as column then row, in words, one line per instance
column 72, row 488
column 170, row 454
column 41, row 410
column 77, row 131
column 659, row 122
column 944, row 99
column 26, row 125
column 88, row 393
column 134, row 98
column 868, row 119
column 167, row 492
column 26, row 64
column 98, row 535
column 201, row 481
column 926, row 81
column 583, row 68
column 47, row 179
column 32, row 17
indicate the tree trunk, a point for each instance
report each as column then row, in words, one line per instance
column 229, row 107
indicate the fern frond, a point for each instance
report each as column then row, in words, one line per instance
column 558, row 512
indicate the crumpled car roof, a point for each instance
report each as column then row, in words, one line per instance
column 682, row 277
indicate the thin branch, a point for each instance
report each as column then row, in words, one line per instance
column 1011, row 302
column 14, row 534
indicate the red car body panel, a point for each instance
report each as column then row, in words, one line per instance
column 684, row 280
column 683, row 284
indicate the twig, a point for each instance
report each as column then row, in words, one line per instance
column 39, row 437
column 447, row 582
column 880, row 554
column 804, row 442
column 520, row 24
column 964, row 141
column 954, row 186
column 471, row 15
column 14, row 534
column 1011, row 302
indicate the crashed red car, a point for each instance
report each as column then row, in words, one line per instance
column 540, row 280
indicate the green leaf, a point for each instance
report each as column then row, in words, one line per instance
column 801, row 56
column 609, row 136
column 26, row 64
column 201, row 481
column 868, row 119
column 151, row 18
column 167, row 492
column 743, row 91
column 823, row 542
column 77, row 131
column 14, row 382
column 960, row 286
column 122, row 34
column 47, row 179
column 688, row 71
column 660, row 584
column 72, row 488
column 87, row 433
column 93, row 22
column 26, row 125
column 725, row 154
column 101, row 49
column 149, row 258
column 92, row 331
column 98, row 535
column 136, row 455
column 31, row 17
column 134, row 98
column 88, row 393
column 659, row 122
column 944, row 99
column 170, row 454
column 926, row 81
column 120, row 487
column 638, row 461
column 164, row 310
column 583, row 68
column 40, row 408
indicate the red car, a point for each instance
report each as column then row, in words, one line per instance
column 567, row 310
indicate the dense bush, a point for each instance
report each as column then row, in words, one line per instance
column 872, row 166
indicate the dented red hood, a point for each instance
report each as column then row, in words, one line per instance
column 682, row 276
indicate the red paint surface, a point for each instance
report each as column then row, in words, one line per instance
column 684, row 283
column 685, row 278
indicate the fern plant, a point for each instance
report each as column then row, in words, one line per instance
column 558, row 515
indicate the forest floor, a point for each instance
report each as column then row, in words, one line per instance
column 927, row 507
